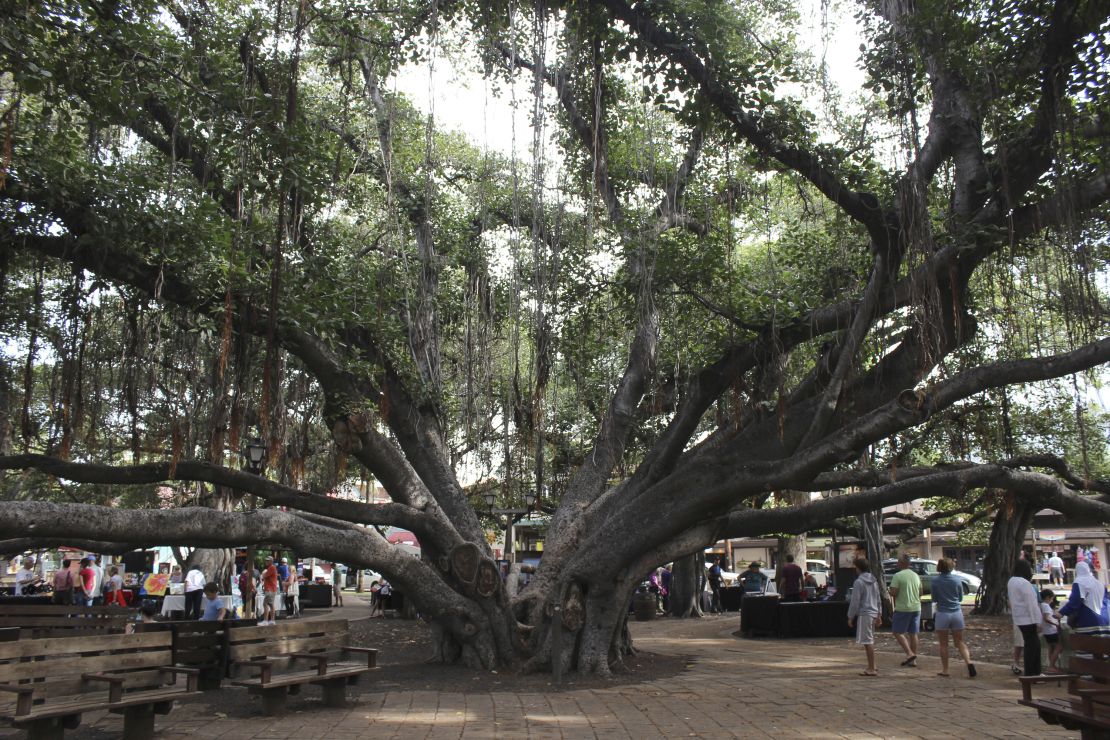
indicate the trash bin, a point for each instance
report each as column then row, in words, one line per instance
column 643, row 605
column 928, row 620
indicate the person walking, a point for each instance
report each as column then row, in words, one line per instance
column 1087, row 609
column 1056, row 570
column 948, row 593
column 905, row 588
column 715, row 586
column 665, row 586
column 337, row 584
column 269, row 592
column 864, row 612
column 291, row 587
column 194, row 592
column 1025, row 611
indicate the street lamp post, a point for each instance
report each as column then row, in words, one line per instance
column 254, row 455
column 835, row 548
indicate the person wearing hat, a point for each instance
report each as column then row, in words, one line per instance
column 753, row 579
column 269, row 592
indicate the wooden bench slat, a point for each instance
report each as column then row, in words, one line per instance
column 287, row 629
column 291, row 645
column 54, row 646
column 42, row 669
column 1085, row 707
column 51, row 609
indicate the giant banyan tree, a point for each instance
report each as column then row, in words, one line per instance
column 679, row 270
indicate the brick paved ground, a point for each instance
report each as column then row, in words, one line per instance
column 732, row 688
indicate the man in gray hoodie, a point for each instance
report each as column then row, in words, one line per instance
column 864, row 612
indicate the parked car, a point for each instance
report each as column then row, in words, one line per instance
column 369, row 578
column 927, row 569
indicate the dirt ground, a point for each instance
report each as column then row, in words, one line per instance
column 405, row 645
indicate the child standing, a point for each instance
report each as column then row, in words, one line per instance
column 1051, row 629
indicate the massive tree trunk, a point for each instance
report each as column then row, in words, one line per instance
column 378, row 337
column 1011, row 524
column 687, row 577
column 793, row 544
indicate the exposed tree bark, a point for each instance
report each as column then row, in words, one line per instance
column 388, row 412
column 687, row 577
column 1011, row 524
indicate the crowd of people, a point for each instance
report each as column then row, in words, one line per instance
column 86, row 582
column 1035, row 614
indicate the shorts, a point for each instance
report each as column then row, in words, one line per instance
column 865, row 629
column 949, row 620
column 1019, row 641
column 1052, row 639
column 906, row 622
column 269, row 598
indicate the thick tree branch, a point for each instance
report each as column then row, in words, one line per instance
column 275, row 494
column 721, row 93
column 203, row 527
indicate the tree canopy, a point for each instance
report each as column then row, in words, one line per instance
column 711, row 277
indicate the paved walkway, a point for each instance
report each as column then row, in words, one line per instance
column 732, row 688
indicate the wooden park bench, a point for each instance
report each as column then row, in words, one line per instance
column 200, row 645
column 50, row 620
column 47, row 684
column 283, row 657
column 1086, row 707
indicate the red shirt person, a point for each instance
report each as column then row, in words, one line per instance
column 269, row 592
column 88, row 581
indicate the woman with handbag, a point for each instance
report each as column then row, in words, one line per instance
column 63, row 585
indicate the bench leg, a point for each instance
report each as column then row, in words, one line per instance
column 273, row 701
column 335, row 693
column 46, row 729
column 209, row 679
column 138, row 722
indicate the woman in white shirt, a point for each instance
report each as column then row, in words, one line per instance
column 1025, row 610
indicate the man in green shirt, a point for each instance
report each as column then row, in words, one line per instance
column 905, row 587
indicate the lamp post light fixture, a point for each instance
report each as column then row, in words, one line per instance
column 530, row 499
column 491, row 498
column 835, row 546
column 255, row 455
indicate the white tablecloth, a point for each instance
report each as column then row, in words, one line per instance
column 177, row 603
column 279, row 603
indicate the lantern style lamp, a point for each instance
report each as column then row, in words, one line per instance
column 255, row 454
column 530, row 499
column 491, row 497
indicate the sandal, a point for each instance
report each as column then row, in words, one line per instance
column 1016, row 669
column 939, row 673
column 910, row 662
column 868, row 673
column 971, row 672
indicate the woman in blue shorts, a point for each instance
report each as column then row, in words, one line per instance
column 948, row 592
